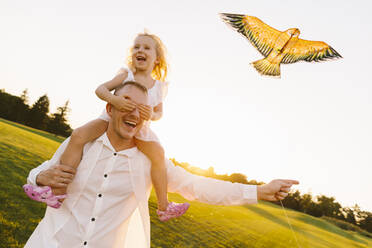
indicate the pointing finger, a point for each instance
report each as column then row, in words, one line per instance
column 292, row 181
column 288, row 182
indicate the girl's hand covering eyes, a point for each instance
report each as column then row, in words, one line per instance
column 123, row 104
column 145, row 112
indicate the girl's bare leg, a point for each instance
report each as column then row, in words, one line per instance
column 155, row 152
column 79, row 137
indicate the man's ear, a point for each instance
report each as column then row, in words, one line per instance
column 109, row 109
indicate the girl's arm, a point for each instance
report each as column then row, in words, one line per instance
column 157, row 112
column 103, row 92
column 148, row 113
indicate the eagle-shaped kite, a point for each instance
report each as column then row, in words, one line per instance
column 278, row 47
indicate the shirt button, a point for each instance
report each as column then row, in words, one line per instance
column 115, row 154
column 93, row 219
column 99, row 195
column 85, row 242
column 105, row 175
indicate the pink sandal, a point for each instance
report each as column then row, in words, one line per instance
column 43, row 194
column 174, row 210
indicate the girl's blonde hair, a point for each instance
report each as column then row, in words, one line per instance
column 160, row 70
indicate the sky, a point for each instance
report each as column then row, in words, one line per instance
column 313, row 124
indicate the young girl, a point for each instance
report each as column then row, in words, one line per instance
column 148, row 66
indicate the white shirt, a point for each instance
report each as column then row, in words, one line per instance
column 121, row 215
column 108, row 189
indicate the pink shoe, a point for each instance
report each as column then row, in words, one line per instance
column 174, row 210
column 43, row 194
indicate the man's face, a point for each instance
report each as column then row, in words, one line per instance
column 123, row 123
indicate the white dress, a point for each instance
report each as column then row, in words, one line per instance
column 156, row 95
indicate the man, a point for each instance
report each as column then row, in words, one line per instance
column 107, row 202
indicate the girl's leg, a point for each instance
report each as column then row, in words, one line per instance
column 79, row 137
column 74, row 150
column 155, row 152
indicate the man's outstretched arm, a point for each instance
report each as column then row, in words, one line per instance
column 218, row 192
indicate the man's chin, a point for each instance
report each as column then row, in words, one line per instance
column 128, row 133
column 126, row 136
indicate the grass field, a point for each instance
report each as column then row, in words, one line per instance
column 262, row 225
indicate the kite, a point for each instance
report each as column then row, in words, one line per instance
column 278, row 47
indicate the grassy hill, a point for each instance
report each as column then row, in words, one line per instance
column 262, row 225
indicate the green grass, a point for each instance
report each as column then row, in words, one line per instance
column 36, row 131
column 21, row 149
column 262, row 225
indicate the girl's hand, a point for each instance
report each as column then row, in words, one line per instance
column 123, row 104
column 145, row 112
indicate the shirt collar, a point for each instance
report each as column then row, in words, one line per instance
column 106, row 142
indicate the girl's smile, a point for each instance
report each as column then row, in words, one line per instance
column 144, row 55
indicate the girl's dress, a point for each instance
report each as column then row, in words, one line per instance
column 156, row 95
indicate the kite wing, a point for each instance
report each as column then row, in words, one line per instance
column 309, row 51
column 261, row 35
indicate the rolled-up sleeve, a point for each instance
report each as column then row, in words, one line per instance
column 31, row 179
column 208, row 190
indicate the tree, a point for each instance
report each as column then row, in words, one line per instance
column 308, row 206
column 366, row 222
column 64, row 110
column 329, row 207
column 38, row 117
column 293, row 201
column 13, row 108
column 210, row 172
column 238, row 178
column 58, row 122
column 24, row 97
column 350, row 215
column 254, row 182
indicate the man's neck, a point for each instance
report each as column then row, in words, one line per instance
column 119, row 143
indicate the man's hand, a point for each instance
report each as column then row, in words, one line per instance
column 57, row 177
column 123, row 104
column 275, row 190
column 145, row 112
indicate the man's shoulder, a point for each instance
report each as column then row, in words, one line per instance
column 87, row 146
column 137, row 154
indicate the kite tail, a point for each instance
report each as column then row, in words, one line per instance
column 265, row 67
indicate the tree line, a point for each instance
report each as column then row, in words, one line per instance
column 324, row 206
column 17, row 109
column 319, row 206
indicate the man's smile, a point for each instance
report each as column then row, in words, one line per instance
column 131, row 124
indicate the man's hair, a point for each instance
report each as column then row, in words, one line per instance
column 135, row 84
